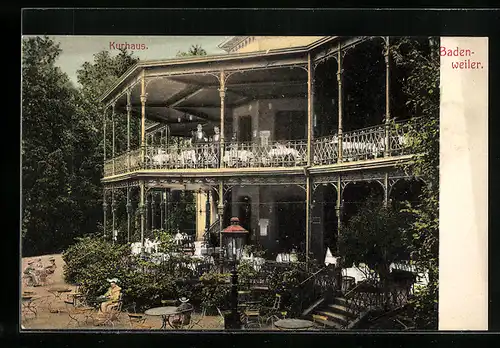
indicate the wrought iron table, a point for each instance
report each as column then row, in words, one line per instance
column 293, row 324
column 57, row 292
column 28, row 305
column 164, row 312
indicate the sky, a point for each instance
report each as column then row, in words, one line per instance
column 79, row 49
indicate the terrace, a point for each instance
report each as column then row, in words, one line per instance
column 362, row 144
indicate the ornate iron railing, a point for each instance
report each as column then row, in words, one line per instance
column 212, row 234
column 364, row 296
column 108, row 168
column 326, row 150
column 135, row 159
column 370, row 295
column 357, row 145
column 366, row 143
column 291, row 153
column 400, row 140
column 182, row 157
column 320, row 284
column 121, row 163
column 363, row 144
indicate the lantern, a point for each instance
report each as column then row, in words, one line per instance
column 234, row 239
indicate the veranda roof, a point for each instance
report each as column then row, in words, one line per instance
column 183, row 92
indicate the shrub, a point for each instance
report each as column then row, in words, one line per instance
column 215, row 290
column 92, row 260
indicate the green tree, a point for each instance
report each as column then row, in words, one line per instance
column 95, row 78
column 375, row 236
column 62, row 145
column 420, row 59
column 48, row 122
column 194, row 50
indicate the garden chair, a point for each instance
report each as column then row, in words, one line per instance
column 113, row 313
column 274, row 313
column 197, row 319
column 78, row 315
column 244, row 297
column 221, row 317
column 252, row 316
column 182, row 320
column 45, row 278
column 28, row 280
column 137, row 320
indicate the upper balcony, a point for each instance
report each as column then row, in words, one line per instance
column 280, row 108
column 363, row 144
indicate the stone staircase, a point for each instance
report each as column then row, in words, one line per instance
column 335, row 314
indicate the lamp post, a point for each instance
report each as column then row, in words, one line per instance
column 233, row 238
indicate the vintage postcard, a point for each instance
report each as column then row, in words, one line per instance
column 264, row 183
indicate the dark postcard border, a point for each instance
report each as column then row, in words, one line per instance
column 281, row 22
column 257, row 22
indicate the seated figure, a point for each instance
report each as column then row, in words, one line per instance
column 31, row 274
column 112, row 296
column 184, row 313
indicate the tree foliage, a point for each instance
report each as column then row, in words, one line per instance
column 194, row 50
column 420, row 58
column 50, row 186
column 62, row 150
column 375, row 236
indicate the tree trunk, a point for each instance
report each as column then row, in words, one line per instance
column 384, row 273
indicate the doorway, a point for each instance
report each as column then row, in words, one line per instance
column 245, row 129
column 291, row 223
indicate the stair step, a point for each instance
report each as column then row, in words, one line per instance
column 322, row 320
column 314, row 305
column 340, row 301
column 346, row 303
column 342, row 319
column 341, row 309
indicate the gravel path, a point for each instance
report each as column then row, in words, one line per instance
column 45, row 319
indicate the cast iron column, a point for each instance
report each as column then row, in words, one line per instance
column 207, row 219
column 104, row 210
column 141, row 212
column 147, row 215
column 387, row 97
column 162, row 220
column 129, row 111
column 143, row 153
column 104, row 135
column 220, row 210
column 153, row 211
column 113, row 210
column 310, row 81
column 222, row 93
column 339, row 84
column 386, row 189
column 113, row 136
column 339, row 207
column 143, row 118
column 129, row 214
column 166, row 208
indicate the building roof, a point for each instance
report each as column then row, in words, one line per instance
column 231, row 41
column 210, row 60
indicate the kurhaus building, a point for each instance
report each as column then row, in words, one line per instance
column 288, row 134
